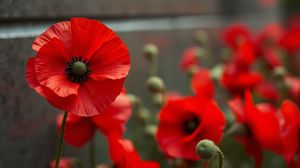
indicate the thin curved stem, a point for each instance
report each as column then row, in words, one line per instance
column 221, row 158
column 60, row 140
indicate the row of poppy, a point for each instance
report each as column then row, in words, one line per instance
column 81, row 65
column 265, row 64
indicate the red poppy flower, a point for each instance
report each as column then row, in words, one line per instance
column 80, row 66
column 79, row 130
column 235, row 34
column 267, row 90
column 263, row 129
column 184, row 122
column 270, row 33
column 291, row 137
column 267, row 44
column 202, row 83
column 189, row 58
column 290, row 40
column 124, row 155
column 236, row 81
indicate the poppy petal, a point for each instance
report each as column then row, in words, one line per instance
column 264, row 125
column 291, row 116
column 236, row 106
column 124, row 155
column 110, row 61
column 115, row 117
column 31, row 76
column 88, row 36
column 50, row 64
column 63, row 103
column 60, row 30
column 78, row 130
column 94, row 97
column 202, row 83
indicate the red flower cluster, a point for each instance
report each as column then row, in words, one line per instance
column 255, row 64
column 80, row 130
column 237, row 74
column 80, row 66
column 265, row 127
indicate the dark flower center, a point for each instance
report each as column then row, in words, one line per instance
column 190, row 125
column 78, row 69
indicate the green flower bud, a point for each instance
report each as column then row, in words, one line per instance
column 216, row 72
column 206, row 149
column 155, row 84
column 150, row 51
column 133, row 98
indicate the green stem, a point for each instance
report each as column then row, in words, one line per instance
column 153, row 67
column 60, row 140
column 221, row 158
column 92, row 153
column 137, row 127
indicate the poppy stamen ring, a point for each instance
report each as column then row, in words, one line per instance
column 78, row 69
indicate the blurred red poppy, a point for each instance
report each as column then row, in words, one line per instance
column 124, row 155
column 236, row 81
column 79, row 130
column 184, row 122
column 244, row 55
column 189, row 59
column 291, row 137
column 263, row 128
column 202, row 83
column 267, row 90
column 267, row 44
column 80, row 66
column 235, row 34
column 290, row 40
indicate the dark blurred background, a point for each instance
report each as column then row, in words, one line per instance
column 27, row 121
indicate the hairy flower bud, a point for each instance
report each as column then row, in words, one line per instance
column 150, row 51
column 155, row 84
column 206, row 149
